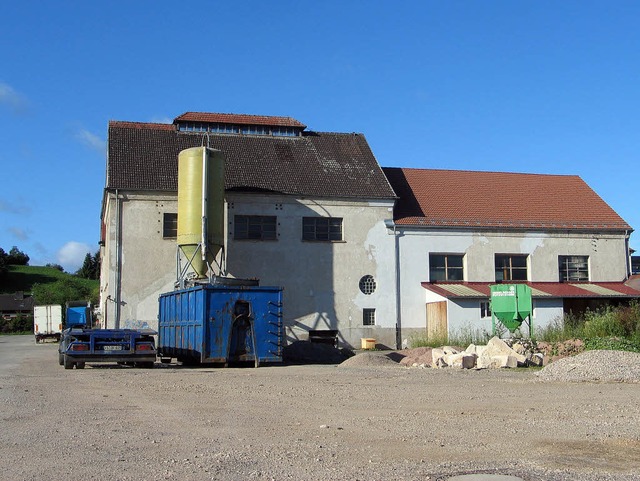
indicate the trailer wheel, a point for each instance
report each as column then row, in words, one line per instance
column 60, row 358
column 68, row 363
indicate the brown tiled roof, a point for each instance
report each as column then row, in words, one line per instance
column 239, row 119
column 456, row 290
column 16, row 303
column 467, row 199
column 316, row 164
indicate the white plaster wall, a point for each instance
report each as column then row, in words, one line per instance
column 606, row 260
column 464, row 316
column 321, row 279
column 148, row 262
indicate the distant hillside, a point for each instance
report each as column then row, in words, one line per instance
column 23, row 278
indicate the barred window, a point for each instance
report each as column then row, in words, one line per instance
column 255, row 227
column 368, row 317
column 573, row 268
column 322, row 228
column 367, row 284
column 169, row 225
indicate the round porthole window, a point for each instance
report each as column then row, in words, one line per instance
column 367, row 284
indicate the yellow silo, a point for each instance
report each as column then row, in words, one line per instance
column 200, row 206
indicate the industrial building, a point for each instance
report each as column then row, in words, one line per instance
column 364, row 251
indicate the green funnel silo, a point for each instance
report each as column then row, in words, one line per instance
column 511, row 304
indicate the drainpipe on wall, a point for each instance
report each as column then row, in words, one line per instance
column 118, row 263
column 627, row 253
column 390, row 224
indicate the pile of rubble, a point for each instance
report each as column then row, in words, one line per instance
column 496, row 354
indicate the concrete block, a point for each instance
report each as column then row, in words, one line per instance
column 496, row 362
column 450, row 350
column 536, row 360
column 497, row 347
column 436, row 355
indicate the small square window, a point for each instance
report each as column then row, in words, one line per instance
column 368, row 317
column 485, row 309
column 169, row 225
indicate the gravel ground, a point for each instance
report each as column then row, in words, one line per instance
column 365, row 419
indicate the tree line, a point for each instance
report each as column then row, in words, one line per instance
column 90, row 267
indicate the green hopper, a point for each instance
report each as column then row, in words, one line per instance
column 511, row 305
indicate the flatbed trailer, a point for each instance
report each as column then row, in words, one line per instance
column 124, row 346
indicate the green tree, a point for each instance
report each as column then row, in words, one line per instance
column 63, row 290
column 90, row 267
column 56, row 266
column 17, row 258
column 3, row 262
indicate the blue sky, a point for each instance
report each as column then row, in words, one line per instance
column 518, row 86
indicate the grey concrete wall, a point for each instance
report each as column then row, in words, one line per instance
column 320, row 279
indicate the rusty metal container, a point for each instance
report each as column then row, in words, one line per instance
column 221, row 324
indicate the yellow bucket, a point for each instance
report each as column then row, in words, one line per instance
column 368, row 343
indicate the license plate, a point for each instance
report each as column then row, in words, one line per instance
column 112, row 348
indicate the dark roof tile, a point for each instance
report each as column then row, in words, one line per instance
column 316, row 164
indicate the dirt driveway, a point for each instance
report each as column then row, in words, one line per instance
column 305, row 423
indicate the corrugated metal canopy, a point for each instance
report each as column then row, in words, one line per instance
column 458, row 290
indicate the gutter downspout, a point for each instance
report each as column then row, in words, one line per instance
column 627, row 253
column 390, row 224
column 118, row 279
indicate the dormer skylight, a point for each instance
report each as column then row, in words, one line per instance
column 239, row 124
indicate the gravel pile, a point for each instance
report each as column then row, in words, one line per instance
column 370, row 359
column 604, row 366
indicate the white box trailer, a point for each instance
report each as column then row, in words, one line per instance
column 47, row 322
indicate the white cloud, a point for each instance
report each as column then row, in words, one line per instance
column 72, row 254
column 161, row 120
column 19, row 233
column 91, row 140
column 12, row 99
column 13, row 207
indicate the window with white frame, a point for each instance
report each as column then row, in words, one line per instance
column 446, row 267
column 511, row 267
column 573, row 268
column 368, row 317
column 485, row 309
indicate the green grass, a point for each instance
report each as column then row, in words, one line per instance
column 23, row 278
column 614, row 328
column 48, row 286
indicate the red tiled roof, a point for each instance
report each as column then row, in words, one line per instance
column 455, row 290
column 450, row 198
column 239, row 119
